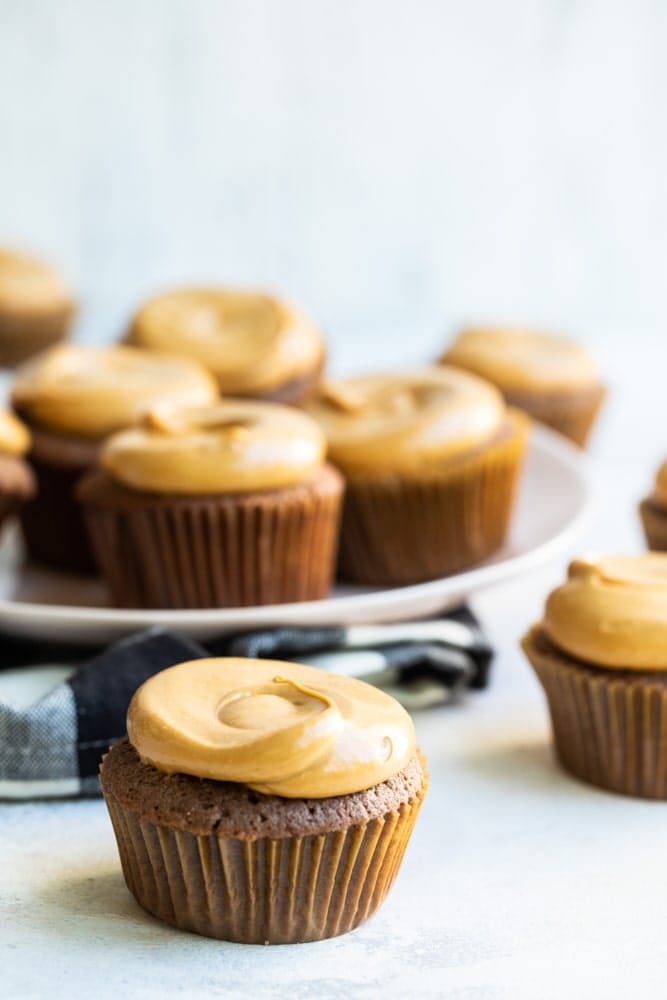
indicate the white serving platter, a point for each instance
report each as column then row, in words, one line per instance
column 551, row 504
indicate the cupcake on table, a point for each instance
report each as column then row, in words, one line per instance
column 36, row 307
column 72, row 398
column 600, row 653
column 551, row 378
column 255, row 344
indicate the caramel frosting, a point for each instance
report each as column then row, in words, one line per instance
column 404, row 422
column 280, row 728
column 14, row 436
column 93, row 391
column 30, row 286
column 612, row 611
column 233, row 446
column 251, row 341
column 522, row 359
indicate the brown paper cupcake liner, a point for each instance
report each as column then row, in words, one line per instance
column 399, row 531
column 609, row 726
column 214, row 551
column 262, row 891
column 654, row 522
column 571, row 413
column 21, row 335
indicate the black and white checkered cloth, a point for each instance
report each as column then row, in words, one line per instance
column 56, row 720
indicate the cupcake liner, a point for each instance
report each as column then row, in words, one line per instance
column 262, row 890
column 609, row 725
column 17, row 486
column 654, row 521
column 214, row 551
column 396, row 530
column 571, row 413
column 22, row 335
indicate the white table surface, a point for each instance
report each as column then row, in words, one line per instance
column 518, row 882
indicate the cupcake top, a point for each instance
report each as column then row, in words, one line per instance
column 30, row 286
column 280, row 728
column 252, row 342
column 93, row 391
column 612, row 611
column 404, row 422
column 522, row 359
column 14, row 436
column 233, row 446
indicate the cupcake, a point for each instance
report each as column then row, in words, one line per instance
column 36, row 309
column 262, row 802
column 551, row 378
column 17, row 483
column 600, row 653
column 219, row 506
column 431, row 460
column 653, row 512
column 72, row 398
column 253, row 343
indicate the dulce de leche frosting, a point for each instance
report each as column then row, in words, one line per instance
column 232, row 446
column 14, row 436
column 522, row 359
column 30, row 286
column 404, row 422
column 612, row 611
column 93, row 391
column 251, row 341
column 280, row 728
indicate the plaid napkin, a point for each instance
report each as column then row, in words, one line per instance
column 57, row 719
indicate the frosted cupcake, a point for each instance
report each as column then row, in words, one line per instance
column 653, row 512
column 254, row 344
column 431, row 460
column 72, row 398
column 551, row 378
column 262, row 802
column 36, row 307
column 600, row 653
column 219, row 506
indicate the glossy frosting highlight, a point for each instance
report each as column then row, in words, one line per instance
column 522, row 359
column 281, row 728
column 231, row 447
column 93, row 391
column 404, row 422
column 29, row 285
column 251, row 341
column 612, row 611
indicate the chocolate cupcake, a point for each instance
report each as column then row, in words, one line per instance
column 431, row 460
column 262, row 802
column 600, row 653
column 552, row 379
column 254, row 344
column 72, row 398
column 653, row 512
column 36, row 308
column 17, row 483
column 220, row 506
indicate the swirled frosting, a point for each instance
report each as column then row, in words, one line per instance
column 522, row 359
column 28, row 285
column 229, row 447
column 281, row 728
column 252, row 342
column 14, row 436
column 93, row 391
column 404, row 422
column 612, row 611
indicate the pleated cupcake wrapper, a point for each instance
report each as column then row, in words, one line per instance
column 609, row 730
column 219, row 552
column 22, row 336
column 654, row 522
column 262, row 891
column 398, row 531
column 571, row 414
